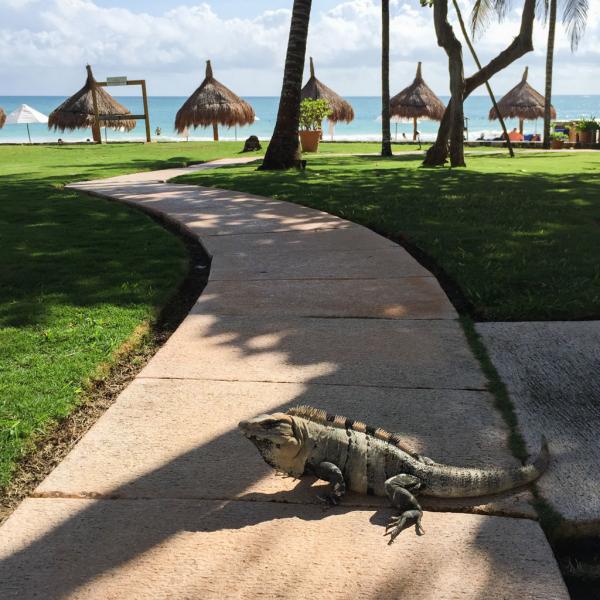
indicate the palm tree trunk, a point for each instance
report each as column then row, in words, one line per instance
column 386, row 134
column 455, row 120
column 549, row 65
column 284, row 148
column 487, row 83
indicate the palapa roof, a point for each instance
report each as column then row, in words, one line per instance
column 341, row 110
column 522, row 102
column 2, row 118
column 77, row 112
column 212, row 103
column 417, row 100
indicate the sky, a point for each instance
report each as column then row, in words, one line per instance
column 45, row 44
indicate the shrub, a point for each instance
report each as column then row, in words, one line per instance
column 312, row 113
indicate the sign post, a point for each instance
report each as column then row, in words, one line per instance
column 119, row 81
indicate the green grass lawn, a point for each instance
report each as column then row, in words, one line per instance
column 363, row 147
column 78, row 275
column 520, row 237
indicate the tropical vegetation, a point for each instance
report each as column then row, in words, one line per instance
column 312, row 113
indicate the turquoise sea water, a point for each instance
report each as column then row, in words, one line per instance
column 366, row 125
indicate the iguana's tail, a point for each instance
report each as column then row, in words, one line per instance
column 458, row 482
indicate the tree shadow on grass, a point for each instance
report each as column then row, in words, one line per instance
column 520, row 244
column 67, row 546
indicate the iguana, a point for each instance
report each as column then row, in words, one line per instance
column 351, row 455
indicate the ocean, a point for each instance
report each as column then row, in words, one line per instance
column 366, row 126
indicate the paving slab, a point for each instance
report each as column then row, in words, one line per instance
column 406, row 298
column 185, row 549
column 214, row 212
column 353, row 237
column 388, row 263
column 383, row 352
column 552, row 371
column 163, row 175
column 131, row 452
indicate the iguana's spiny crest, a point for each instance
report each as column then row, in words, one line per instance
column 317, row 415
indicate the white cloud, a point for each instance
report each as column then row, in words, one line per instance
column 44, row 45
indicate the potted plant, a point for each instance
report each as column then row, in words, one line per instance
column 312, row 113
column 587, row 130
column 557, row 140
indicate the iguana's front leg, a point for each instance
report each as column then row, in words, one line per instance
column 399, row 490
column 329, row 472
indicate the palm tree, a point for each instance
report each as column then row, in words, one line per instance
column 386, row 135
column 284, row 148
column 574, row 19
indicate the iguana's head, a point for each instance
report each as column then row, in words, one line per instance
column 277, row 438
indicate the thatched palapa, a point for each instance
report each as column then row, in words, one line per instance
column 2, row 118
column 77, row 112
column 523, row 103
column 417, row 101
column 341, row 110
column 213, row 104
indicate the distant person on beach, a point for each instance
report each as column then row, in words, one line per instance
column 515, row 136
column 158, row 131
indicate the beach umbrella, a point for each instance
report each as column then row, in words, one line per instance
column 341, row 110
column 2, row 117
column 77, row 112
column 24, row 115
column 213, row 104
column 417, row 101
column 523, row 103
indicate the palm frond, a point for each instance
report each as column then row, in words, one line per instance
column 574, row 19
column 483, row 11
column 480, row 15
column 542, row 9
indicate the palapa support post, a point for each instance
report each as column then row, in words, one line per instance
column 415, row 130
column 215, row 132
column 146, row 111
column 96, row 133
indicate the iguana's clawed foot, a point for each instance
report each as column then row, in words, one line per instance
column 398, row 524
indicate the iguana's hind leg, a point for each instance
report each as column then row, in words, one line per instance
column 329, row 472
column 399, row 490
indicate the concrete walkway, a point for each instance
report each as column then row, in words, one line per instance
column 552, row 371
column 164, row 499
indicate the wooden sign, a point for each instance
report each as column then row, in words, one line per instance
column 116, row 81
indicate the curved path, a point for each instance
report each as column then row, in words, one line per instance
column 164, row 499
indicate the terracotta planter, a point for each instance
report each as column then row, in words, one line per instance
column 573, row 134
column 587, row 137
column 309, row 140
column 557, row 144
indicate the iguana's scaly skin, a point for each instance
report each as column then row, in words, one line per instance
column 352, row 455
